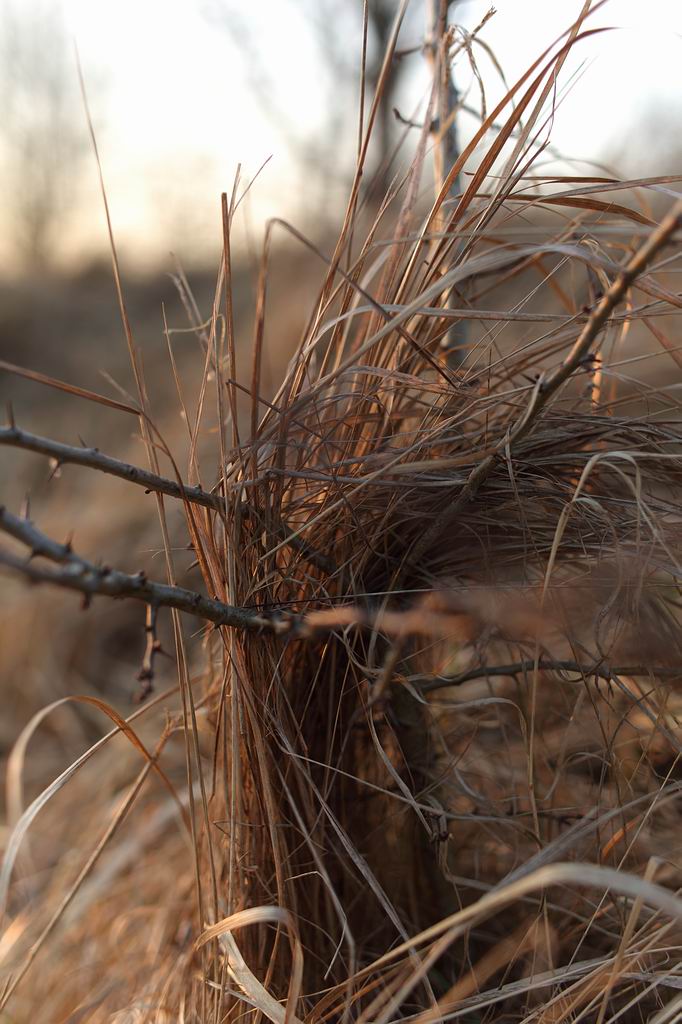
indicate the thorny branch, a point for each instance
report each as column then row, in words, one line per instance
column 549, row 385
column 76, row 573
column 152, row 649
column 93, row 458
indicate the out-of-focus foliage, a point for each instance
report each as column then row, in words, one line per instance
column 43, row 135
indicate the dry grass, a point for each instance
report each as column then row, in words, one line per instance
column 375, row 821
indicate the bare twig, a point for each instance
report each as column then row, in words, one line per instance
column 547, row 387
column 599, row 669
column 93, row 458
column 446, row 149
column 152, row 649
column 76, row 573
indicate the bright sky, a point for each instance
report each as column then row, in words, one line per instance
column 176, row 113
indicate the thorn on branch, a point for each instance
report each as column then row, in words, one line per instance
column 92, row 458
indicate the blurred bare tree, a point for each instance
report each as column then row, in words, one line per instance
column 43, row 136
column 343, row 61
column 337, row 34
column 346, row 34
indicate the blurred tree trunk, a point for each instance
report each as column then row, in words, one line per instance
column 336, row 27
column 381, row 14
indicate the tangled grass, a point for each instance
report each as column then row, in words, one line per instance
column 439, row 777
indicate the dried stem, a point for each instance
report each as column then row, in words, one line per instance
column 547, row 387
column 78, row 574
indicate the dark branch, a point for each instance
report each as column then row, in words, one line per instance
column 90, row 580
column 600, row 669
column 152, row 649
column 95, row 459
column 92, row 458
column 76, row 573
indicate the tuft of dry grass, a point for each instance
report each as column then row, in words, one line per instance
column 452, row 791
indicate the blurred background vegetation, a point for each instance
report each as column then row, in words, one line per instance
column 182, row 92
